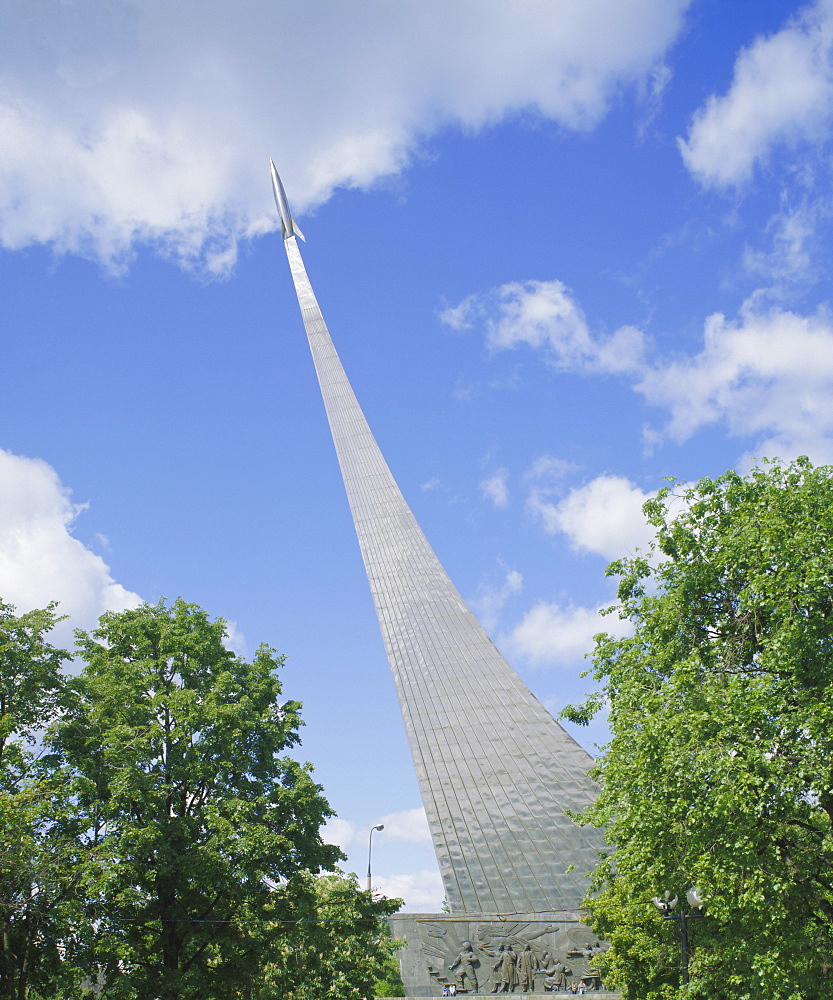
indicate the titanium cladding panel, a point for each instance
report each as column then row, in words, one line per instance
column 496, row 771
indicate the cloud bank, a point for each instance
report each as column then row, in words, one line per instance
column 421, row 887
column 551, row 634
column 766, row 375
column 544, row 315
column 142, row 121
column 422, row 891
column 40, row 560
column 603, row 517
column 781, row 95
column 409, row 826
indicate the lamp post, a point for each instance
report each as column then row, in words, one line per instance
column 666, row 905
column 381, row 826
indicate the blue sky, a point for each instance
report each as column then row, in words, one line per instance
column 565, row 249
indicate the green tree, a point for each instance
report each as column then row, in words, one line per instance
column 38, row 856
column 719, row 772
column 194, row 816
column 329, row 941
column 389, row 983
column 388, row 977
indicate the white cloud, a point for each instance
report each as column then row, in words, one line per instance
column 544, row 315
column 548, row 468
column 782, row 92
column 409, row 826
column 541, row 314
column 422, row 891
column 792, row 255
column 148, row 121
column 235, row 640
column 40, row 560
column 491, row 600
column 496, row 488
column 790, row 251
column 550, row 634
column 340, row 832
column 604, row 516
column 767, row 375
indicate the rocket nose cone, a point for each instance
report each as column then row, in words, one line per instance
column 288, row 226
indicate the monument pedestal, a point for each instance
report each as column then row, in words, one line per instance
column 499, row 777
column 482, row 953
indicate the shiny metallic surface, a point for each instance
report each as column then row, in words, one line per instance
column 496, row 771
column 288, row 225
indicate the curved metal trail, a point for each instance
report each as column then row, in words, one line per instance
column 496, row 771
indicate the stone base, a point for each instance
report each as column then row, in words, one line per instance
column 444, row 948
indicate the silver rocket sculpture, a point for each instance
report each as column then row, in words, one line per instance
column 288, row 225
column 499, row 777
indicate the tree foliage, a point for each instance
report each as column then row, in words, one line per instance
column 719, row 772
column 389, row 981
column 194, row 809
column 332, row 942
column 161, row 842
column 38, row 852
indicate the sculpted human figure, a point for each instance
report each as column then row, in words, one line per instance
column 505, row 967
column 527, row 967
column 498, row 965
column 556, row 978
column 465, row 964
column 592, row 977
column 589, row 976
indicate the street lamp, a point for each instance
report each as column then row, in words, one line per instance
column 381, row 826
column 666, row 905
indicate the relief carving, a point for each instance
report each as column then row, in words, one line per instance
column 509, row 956
column 466, row 964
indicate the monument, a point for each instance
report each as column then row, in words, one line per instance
column 498, row 775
